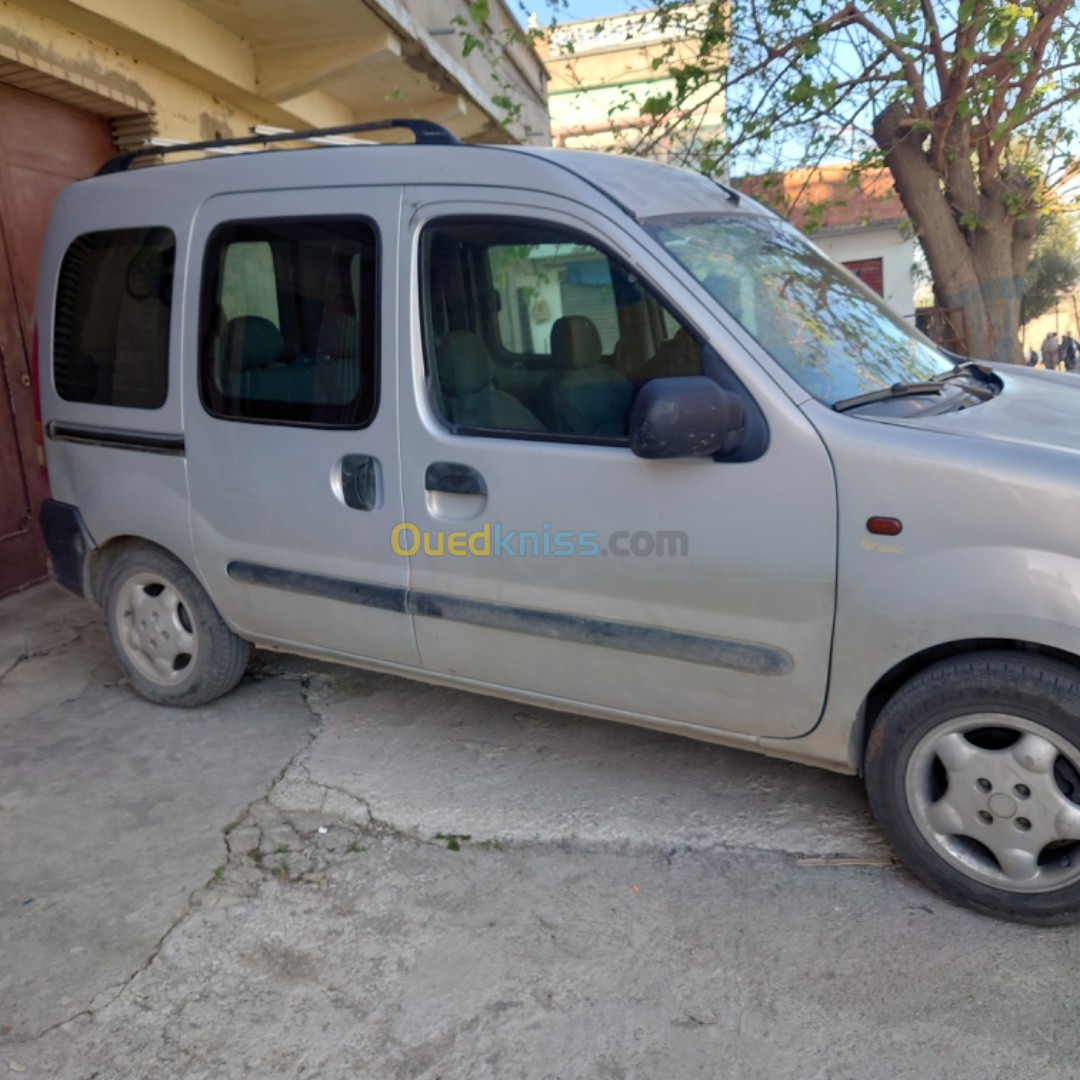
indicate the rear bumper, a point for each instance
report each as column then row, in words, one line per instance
column 69, row 545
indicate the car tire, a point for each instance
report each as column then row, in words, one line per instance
column 972, row 770
column 166, row 632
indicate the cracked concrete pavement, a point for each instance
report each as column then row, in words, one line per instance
column 342, row 874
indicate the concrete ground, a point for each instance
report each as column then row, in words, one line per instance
column 332, row 873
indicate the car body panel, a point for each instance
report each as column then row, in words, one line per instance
column 988, row 496
column 759, row 570
column 269, row 495
column 119, row 492
column 988, row 551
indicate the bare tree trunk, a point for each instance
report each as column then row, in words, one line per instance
column 977, row 263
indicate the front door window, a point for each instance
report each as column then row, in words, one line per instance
column 532, row 330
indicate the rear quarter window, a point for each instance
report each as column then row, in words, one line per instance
column 113, row 310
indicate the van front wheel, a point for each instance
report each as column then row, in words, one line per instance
column 973, row 775
column 166, row 632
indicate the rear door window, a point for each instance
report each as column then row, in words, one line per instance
column 113, row 310
column 289, row 322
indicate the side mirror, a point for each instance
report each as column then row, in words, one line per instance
column 688, row 416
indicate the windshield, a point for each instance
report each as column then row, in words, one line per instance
column 834, row 336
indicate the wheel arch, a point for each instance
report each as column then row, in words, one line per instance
column 899, row 674
column 102, row 557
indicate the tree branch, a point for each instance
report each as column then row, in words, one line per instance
column 911, row 73
column 937, row 47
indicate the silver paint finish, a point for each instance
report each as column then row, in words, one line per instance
column 119, row 492
column 271, row 493
column 989, row 497
column 762, row 542
column 989, row 547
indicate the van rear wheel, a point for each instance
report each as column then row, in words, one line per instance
column 166, row 632
column 973, row 775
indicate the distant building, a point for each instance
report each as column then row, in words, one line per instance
column 863, row 227
column 82, row 79
column 604, row 71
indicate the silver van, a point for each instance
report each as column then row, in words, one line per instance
column 578, row 430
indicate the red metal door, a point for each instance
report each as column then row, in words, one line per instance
column 43, row 147
column 870, row 272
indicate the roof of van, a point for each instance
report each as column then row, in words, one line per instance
column 644, row 189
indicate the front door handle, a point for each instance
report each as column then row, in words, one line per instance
column 453, row 479
column 454, row 492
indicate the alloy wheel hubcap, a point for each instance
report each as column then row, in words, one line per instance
column 993, row 794
column 155, row 629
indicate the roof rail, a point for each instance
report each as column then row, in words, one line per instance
column 425, row 132
column 324, row 140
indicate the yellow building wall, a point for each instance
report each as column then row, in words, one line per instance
column 287, row 63
column 595, row 95
column 183, row 111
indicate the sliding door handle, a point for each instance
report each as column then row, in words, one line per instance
column 358, row 475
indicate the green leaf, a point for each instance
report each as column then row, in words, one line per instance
column 656, row 106
column 802, row 91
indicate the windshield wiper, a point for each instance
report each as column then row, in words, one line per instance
column 982, row 382
column 899, row 389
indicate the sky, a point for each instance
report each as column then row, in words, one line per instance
column 580, row 9
column 588, row 9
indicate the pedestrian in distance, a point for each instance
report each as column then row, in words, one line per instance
column 1032, row 358
column 1069, row 354
column 1050, row 351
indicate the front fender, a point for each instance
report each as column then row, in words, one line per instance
column 891, row 607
